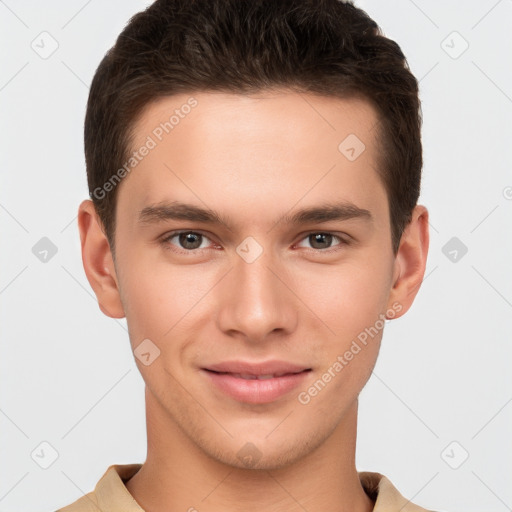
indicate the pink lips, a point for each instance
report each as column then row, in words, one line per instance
column 256, row 383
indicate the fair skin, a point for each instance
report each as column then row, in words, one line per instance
column 253, row 160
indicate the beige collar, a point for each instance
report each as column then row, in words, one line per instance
column 111, row 495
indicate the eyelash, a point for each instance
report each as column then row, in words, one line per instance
column 167, row 245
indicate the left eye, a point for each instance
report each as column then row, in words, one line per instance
column 322, row 240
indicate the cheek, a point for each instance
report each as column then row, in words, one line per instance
column 159, row 299
column 346, row 298
column 337, row 383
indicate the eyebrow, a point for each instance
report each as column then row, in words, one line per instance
column 176, row 210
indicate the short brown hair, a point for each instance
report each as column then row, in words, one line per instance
column 328, row 47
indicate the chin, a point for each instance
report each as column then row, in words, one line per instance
column 253, row 453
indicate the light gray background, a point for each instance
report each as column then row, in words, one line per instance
column 68, row 377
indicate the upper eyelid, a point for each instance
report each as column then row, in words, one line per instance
column 307, row 235
column 172, row 234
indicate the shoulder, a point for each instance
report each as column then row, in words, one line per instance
column 110, row 493
column 386, row 496
column 87, row 503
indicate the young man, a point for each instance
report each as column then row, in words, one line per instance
column 254, row 169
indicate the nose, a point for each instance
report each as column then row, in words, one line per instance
column 255, row 301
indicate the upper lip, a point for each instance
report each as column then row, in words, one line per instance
column 273, row 367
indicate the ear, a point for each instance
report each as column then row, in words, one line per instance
column 410, row 261
column 98, row 261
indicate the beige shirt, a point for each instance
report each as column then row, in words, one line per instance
column 111, row 495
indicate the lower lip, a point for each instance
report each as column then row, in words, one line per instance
column 255, row 391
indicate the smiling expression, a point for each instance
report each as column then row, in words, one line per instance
column 248, row 237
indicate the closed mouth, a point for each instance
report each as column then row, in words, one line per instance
column 251, row 376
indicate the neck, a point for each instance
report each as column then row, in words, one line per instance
column 179, row 475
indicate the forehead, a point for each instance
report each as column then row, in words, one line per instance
column 263, row 114
column 278, row 147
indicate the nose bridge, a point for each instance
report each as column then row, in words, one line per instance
column 254, row 299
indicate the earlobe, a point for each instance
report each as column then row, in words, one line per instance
column 411, row 260
column 98, row 262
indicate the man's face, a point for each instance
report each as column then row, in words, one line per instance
column 256, row 287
